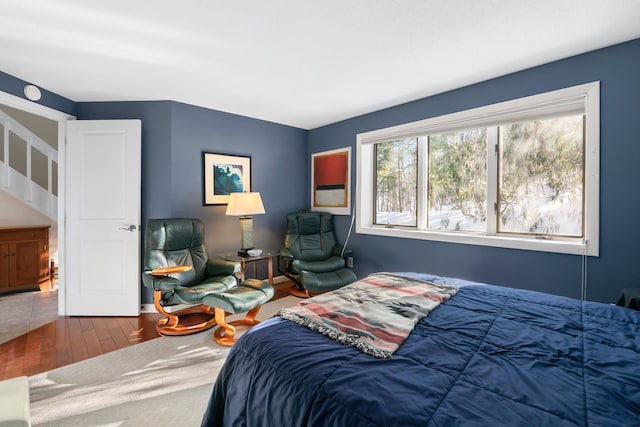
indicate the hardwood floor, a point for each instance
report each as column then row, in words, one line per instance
column 73, row 339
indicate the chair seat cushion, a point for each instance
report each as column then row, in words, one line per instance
column 322, row 282
column 330, row 264
column 194, row 294
column 247, row 295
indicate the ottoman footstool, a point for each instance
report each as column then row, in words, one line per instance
column 247, row 296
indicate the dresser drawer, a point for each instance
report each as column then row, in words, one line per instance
column 22, row 235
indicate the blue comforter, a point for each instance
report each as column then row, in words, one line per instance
column 490, row 356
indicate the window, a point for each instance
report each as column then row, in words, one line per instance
column 396, row 182
column 520, row 174
column 541, row 175
column 457, row 180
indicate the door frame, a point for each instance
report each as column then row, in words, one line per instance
column 60, row 117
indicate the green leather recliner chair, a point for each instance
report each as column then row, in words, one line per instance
column 180, row 242
column 312, row 258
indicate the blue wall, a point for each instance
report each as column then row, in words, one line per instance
column 174, row 135
column 617, row 70
column 278, row 171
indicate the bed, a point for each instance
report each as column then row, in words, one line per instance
column 488, row 355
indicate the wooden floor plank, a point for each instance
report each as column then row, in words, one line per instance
column 78, row 349
column 15, row 356
column 108, row 345
column 86, row 323
column 48, row 351
column 119, row 335
column 92, row 343
column 31, row 361
column 63, row 343
column 100, row 324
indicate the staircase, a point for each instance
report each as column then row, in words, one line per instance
column 18, row 184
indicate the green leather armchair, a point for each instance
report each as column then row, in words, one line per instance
column 180, row 242
column 312, row 258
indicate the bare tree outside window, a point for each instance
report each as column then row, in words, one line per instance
column 541, row 177
column 458, row 180
column 396, row 182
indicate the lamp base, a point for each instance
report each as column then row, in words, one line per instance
column 246, row 235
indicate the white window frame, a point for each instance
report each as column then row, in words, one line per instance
column 586, row 95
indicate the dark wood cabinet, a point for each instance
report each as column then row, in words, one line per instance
column 24, row 257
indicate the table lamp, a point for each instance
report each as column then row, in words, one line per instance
column 244, row 205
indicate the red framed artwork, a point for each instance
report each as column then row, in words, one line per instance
column 331, row 181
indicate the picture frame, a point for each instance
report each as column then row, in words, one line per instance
column 223, row 174
column 331, row 181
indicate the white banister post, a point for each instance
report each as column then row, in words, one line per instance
column 50, row 183
column 5, row 175
column 29, row 180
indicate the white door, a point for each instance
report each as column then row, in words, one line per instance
column 102, row 230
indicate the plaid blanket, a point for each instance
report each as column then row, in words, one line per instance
column 374, row 314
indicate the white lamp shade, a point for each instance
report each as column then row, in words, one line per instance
column 241, row 204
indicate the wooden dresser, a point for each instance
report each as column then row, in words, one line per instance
column 24, row 258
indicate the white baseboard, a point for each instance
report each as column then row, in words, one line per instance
column 150, row 308
column 147, row 308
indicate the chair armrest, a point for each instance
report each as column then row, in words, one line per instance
column 220, row 266
column 162, row 283
column 337, row 250
column 285, row 253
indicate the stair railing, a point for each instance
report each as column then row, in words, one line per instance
column 23, row 187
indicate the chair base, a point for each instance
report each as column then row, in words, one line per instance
column 188, row 323
column 225, row 334
column 247, row 296
column 308, row 283
column 184, row 322
column 298, row 291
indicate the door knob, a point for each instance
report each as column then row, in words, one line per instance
column 129, row 228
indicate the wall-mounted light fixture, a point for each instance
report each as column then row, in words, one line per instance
column 32, row 92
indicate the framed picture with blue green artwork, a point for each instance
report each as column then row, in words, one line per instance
column 224, row 174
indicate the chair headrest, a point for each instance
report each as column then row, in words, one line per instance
column 306, row 223
column 173, row 234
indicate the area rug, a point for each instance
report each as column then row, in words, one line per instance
column 162, row 382
column 25, row 311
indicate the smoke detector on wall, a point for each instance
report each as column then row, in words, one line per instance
column 32, row 92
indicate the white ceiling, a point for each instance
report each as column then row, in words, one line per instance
column 304, row 63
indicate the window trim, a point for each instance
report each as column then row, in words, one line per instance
column 587, row 94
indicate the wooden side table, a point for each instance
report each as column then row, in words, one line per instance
column 267, row 254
